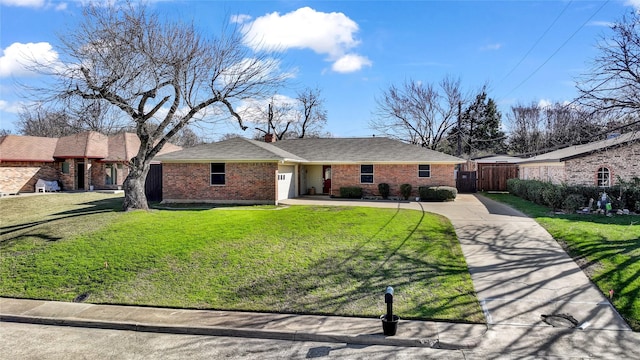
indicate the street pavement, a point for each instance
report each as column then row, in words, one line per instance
column 519, row 272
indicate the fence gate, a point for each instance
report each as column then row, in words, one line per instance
column 494, row 177
column 466, row 181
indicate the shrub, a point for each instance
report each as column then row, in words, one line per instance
column 351, row 192
column 554, row 196
column 437, row 193
column 405, row 190
column 573, row 202
column 384, row 189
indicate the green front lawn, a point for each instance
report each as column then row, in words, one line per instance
column 607, row 248
column 321, row 260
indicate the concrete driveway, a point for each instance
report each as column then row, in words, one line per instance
column 519, row 271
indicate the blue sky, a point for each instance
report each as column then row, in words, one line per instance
column 526, row 51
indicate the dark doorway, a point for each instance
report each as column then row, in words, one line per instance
column 466, row 181
column 80, row 176
column 326, row 179
column 153, row 183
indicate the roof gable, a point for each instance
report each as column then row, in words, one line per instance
column 88, row 144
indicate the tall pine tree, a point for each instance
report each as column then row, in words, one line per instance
column 479, row 128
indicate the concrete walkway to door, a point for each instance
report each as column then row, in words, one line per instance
column 521, row 273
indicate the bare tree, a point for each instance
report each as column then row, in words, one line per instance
column 304, row 116
column 613, row 83
column 535, row 129
column 525, row 128
column 157, row 71
column 276, row 118
column 42, row 120
column 418, row 113
column 313, row 115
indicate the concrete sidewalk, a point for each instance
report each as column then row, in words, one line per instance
column 349, row 330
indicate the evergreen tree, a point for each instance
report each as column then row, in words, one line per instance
column 479, row 128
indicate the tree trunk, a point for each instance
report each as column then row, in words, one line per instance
column 134, row 187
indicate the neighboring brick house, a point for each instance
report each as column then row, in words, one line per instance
column 239, row 170
column 77, row 162
column 594, row 164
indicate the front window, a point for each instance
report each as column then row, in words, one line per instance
column 217, row 174
column 366, row 174
column 604, row 177
column 424, row 171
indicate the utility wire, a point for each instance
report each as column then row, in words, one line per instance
column 558, row 49
column 537, row 42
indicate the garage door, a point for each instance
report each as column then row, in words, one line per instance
column 286, row 185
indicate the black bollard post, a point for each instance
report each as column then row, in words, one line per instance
column 389, row 321
column 388, row 299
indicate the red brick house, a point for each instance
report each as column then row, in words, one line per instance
column 239, row 170
column 77, row 162
column 597, row 163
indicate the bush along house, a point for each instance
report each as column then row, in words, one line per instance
column 240, row 170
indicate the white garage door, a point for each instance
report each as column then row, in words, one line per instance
column 286, row 185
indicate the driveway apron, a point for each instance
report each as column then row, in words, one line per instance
column 520, row 273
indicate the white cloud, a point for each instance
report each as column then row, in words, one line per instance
column 23, row 3
column 496, row 46
column 607, row 24
column 634, row 3
column 18, row 58
column 331, row 34
column 35, row 4
column 350, row 63
column 10, row 107
column 240, row 19
column 544, row 103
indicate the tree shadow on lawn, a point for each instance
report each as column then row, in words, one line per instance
column 355, row 285
column 623, row 278
column 12, row 233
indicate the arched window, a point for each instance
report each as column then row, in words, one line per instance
column 604, row 177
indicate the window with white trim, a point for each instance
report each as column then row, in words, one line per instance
column 366, row 174
column 218, row 175
column 604, row 177
column 424, row 170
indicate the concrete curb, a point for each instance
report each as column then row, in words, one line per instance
column 244, row 332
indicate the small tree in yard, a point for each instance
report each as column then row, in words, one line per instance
column 161, row 75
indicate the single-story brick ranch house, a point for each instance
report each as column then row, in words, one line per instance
column 240, row 170
column 593, row 164
column 77, row 162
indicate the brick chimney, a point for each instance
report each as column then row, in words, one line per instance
column 269, row 138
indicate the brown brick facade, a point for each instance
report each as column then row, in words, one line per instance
column 392, row 174
column 22, row 176
column 623, row 161
column 244, row 182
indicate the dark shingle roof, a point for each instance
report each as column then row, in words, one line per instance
column 326, row 151
column 584, row 149
column 234, row 149
column 359, row 150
